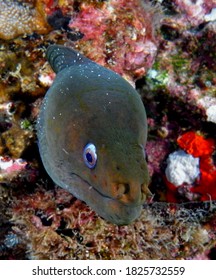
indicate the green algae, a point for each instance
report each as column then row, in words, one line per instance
column 26, row 124
column 157, row 79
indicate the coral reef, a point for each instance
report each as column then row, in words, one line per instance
column 55, row 225
column 174, row 58
column 197, row 11
column 129, row 53
column 184, row 65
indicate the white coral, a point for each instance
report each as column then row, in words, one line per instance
column 209, row 104
column 4, row 164
column 211, row 16
column 211, row 114
column 182, row 168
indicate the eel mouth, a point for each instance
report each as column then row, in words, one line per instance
column 119, row 195
column 92, row 188
column 109, row 208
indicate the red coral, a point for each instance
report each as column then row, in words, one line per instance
column 50, row 6
column 207, row 182
column 171, row 194
column 195, row 144
column 205, row 186
column 198, row 146
column 91, row 28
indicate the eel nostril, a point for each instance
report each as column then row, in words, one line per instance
column 127, row 188
column 122, row 189
column 133, row 194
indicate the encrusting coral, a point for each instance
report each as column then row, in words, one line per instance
column 18, row 18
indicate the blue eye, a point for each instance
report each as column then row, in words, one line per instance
column 89, row 155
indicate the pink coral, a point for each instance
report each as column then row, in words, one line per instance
column 119, row 34
column 195, row 10
column 10, row 167
column 156, row 151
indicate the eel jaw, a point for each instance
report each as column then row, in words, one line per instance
column 111, row 209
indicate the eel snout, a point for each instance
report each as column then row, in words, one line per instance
column 132, row 194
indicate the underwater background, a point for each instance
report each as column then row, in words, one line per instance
column 167, row 51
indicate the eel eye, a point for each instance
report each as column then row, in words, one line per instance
column 89, row 155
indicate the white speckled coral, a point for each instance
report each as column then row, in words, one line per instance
column 182, row 168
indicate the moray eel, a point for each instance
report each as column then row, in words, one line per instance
column 92, row 131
